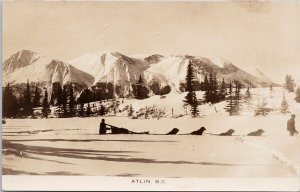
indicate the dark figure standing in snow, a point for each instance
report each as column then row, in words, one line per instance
column 291, row 125
column 102, row 130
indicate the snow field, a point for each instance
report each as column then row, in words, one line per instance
column 72, row 146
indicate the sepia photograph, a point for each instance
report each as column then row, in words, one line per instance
column 150, row 95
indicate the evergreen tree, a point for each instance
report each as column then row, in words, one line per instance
column 248, row 94
column 59, row 96
column 27, row 101
column 214, row 88
column 191, row 98
column 65, row 101
column 59, row 101
column 247, row 97
column 194, row 107
column 102, row 110
column 81, row 109
column 147, row 112
column 208, row 93
column 261, row 108
column 289, row 83
column 298, row 95
column 71, row 103
column 21, row 105
column 222, row 91
column 237, row 99
column 88, row 110
column 86, row 96
column 284, row 105
column 230, row 100
column 189, row 85
column 211, row 93
column 139, row 89
column 138, row 92
column 37, row 97
column 45, row 106
column 130, row 111
column 52, row 97
column 80, row 112
column 10, row 103
column 205, row 83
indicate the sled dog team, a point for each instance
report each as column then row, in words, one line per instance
column 116, row 130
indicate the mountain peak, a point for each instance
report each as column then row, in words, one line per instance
column 159, row 73
column 20, row 59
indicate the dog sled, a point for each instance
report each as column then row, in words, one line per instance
column 121, row 130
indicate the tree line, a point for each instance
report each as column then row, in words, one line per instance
column 66, row 105
column 231, row 93
column 214, row 92
column 62, row 99
column 290, row 87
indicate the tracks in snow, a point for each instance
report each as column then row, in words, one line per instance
column 275, row 154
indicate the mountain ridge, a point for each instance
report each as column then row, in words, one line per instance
column 161, row 74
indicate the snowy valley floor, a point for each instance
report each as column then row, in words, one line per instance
column 73, row 147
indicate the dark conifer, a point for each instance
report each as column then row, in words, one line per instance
column 194, row 107
column 139, row 89
column 45, row 106
column 36, row 98
column 205, row 83
column 297, row 98
column 284, row 105
column 10, row 103
column 88, row 110
column 130, row 111
column 27, row 101
column 222, row 92
column 189, row 85
column 230, row 100
column 237, row 99
column 102, row 110
column 65, row 101
column 81, row 109
column 247, row 97
column 191, row 98
column 52, row 97
column 289, row 83
column 213, row 88
column 59, row 101
column 71, row 102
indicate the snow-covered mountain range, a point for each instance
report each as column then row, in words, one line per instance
column 160, row 73
column 27, row 65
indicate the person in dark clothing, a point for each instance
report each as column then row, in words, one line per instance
column 291, row 125
column 102, row 130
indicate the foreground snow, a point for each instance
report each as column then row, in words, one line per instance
column 72, row 147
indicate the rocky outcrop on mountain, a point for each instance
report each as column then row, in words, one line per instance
column 26, row 66
column 118, row 74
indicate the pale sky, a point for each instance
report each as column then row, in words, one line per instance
column 250, row 35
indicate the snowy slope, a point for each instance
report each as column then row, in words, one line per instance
column 260, row 75
column 108, row 66
column 63, row 146
column 26, row 65
column 175, row 101
column 20, row 59
column 161, row 74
